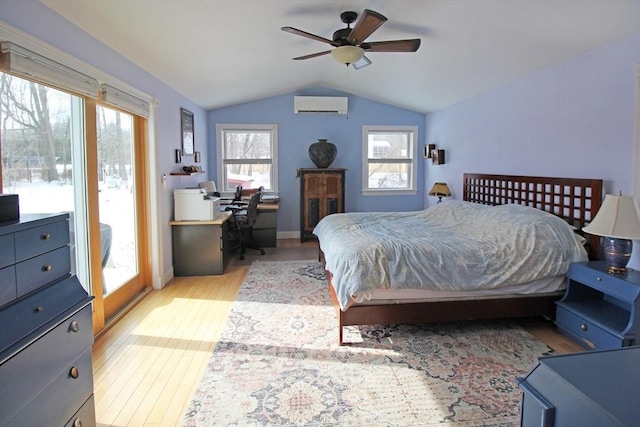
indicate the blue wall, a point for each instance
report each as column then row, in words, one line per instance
column 575, row 119
column 37, row 20
column 297, row 131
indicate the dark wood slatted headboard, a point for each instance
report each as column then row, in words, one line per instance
column 575, row 200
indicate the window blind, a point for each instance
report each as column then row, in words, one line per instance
column 25, row 63
column 124, row 100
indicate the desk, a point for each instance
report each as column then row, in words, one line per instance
column 201, row 248
column 265, row 230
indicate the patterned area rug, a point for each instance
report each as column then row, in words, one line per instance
column 278, row 363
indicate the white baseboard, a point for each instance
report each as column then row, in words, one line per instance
column 166, row 277
column 288, row 235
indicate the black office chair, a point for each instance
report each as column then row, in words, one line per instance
column 237, row 196
column 242, row 221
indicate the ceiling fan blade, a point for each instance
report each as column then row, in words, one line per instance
column 366, row 24
column 312, row 55
column 410, row 45
column 308, row 35
column 363, row 62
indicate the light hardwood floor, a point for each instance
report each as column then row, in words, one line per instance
column 148, row 364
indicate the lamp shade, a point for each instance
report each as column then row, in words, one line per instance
column 440, row 189
column 618, row 217
column 347, row 54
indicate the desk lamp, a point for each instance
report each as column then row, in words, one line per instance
column 440, row 189
column 618, row 221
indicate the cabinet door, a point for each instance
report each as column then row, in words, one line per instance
column 314, row 200
column 332, row 194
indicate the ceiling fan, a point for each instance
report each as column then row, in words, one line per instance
column 349, row 43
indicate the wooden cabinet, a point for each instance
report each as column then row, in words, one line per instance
column 321, row 194
column 600, row 310
column 46, row 329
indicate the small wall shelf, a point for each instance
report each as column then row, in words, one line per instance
column 185, row 173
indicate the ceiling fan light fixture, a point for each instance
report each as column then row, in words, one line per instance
column 347, row 54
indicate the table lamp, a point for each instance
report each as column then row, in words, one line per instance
column 440, row 189
column 618, row 221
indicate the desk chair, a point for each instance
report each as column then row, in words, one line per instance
column 237, row 196
column 242, row 221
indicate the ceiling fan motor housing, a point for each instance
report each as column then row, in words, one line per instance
column 340, row 36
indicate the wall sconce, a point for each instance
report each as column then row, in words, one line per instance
column 196, row 157
column 428, row 148
column 440, row 190
column 437, row 157
column 178, row 156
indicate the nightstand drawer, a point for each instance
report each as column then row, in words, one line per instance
column 612, row 285
column 584, row 331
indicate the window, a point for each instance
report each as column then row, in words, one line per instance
column 247, row 156
column 389, row 159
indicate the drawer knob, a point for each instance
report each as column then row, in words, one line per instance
column 46, row 236
column 74, row 372
column 77, row 422
column 74, row 326
column 584, row 326
column 599, row 279
column 47, row 268
column 38, row 309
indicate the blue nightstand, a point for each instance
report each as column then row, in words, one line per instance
column 600, row 310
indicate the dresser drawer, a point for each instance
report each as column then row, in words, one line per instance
column 38, row 240
column 8, row 289
column 60, row 400
column 7, row 250
column 46, row 268
column 86, row 415
column 34, row 369
column 584, row 331
column 32, row 312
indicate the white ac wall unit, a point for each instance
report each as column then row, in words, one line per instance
column 320, row 104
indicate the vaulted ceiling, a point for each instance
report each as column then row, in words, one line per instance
column 224, row 52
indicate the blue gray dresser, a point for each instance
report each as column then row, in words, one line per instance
column 46, row 332
column 590, row 389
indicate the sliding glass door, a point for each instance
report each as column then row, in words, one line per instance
column 67, row 153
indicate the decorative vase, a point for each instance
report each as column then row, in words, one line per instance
column 322, row 153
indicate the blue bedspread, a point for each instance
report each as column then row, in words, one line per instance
column 452, row 246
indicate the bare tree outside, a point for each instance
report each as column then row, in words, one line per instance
column 29, row 138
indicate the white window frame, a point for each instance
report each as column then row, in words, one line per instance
column 221, row 155
column 413, row 161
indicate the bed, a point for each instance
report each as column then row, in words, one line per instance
column 397, row 295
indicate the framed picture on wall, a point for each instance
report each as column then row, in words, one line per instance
column 186, row 127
